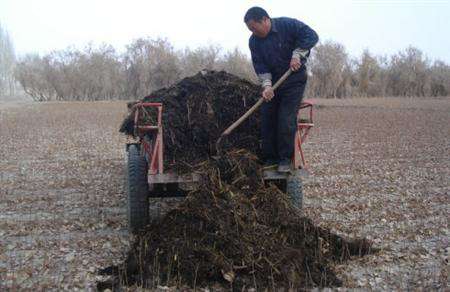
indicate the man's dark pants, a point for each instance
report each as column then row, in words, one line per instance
column 279, row 119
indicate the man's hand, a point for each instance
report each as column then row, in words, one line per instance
column 295, row 64
column 268, row 93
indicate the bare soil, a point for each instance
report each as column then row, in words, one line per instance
column 379, row 169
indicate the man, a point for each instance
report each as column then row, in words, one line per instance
column 276, row 45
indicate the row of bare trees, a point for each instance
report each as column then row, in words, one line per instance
column 407, row 73
column 101, row 73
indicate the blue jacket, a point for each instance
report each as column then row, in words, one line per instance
column 273, row 53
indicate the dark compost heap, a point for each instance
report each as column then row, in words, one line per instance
column 197, row 110
column 234, row 231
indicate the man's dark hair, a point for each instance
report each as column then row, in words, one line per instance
column 256, row 14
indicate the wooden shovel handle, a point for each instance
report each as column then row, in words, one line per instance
column 256, row 105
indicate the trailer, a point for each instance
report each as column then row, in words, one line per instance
column 146, row 177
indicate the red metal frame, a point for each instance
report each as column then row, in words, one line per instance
column 154, row 152
column 303, row 127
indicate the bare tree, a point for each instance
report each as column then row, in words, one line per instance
column 205, row 57
column 328, row 64
column 407, row 74
column 239, row 64
column 150, row 64
column 30, row 73
column 439, row 79
column 7, row 62
column 371, row 75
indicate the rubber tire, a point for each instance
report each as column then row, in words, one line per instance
column 294, row 189
column 137, row 190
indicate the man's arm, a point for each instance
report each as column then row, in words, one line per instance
column 261, row 69
column 305, row 39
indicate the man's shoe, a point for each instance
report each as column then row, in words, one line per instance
column 284, row 166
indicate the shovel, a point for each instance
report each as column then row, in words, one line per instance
column 249, row 112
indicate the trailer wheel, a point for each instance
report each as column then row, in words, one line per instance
column 294, row 189
column 137, row 190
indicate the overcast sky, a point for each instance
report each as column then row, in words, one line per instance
column 382, row 26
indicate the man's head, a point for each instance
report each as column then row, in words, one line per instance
column 258, row 21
